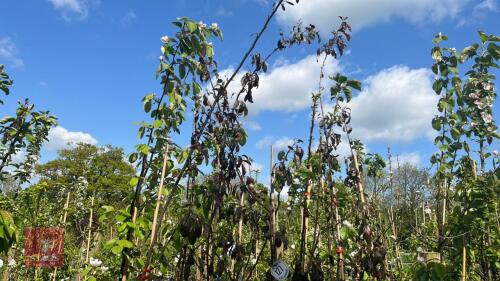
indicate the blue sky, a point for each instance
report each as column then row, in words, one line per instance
column 90, row 62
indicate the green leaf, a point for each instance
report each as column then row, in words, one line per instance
column 483, row 36
column 354, row 84
column 437, row 86
column 182, row 71
column 133, row 157
column 210, row 51
column 117, row 249
column 436, row 54
column 281, row 156
column 134, row 181
column 196, row 88
column 494, row 50
column 192, row 27
column 243, row 138
column 147, row 102
column 143, row 149
column 157, row 124
column 436, row 124
column 439, row 38
column 125, row 243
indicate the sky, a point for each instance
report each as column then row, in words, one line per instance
column 91, row 61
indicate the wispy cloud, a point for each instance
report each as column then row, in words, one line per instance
column 478, row 13
column 279, row 143
column 362, row 13
column 9, row 52
column 129, row 18
column 71, row 9
column 223, row 12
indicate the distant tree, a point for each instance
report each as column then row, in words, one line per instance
column 104, row 169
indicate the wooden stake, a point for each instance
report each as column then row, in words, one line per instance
column 158, row 197
column 273, row 215
column 359, row 183
column 63, row 222
column 90, row 229
column 340, row 272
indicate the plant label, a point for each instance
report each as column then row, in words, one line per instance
column 280, row 270
column 44, row 246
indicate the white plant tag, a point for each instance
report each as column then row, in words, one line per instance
column 280, row 270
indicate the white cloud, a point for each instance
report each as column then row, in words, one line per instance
column 362, row 13
column 478, row 13
column 485, row 6
column 397, row 104
column 287, row 87
column 60, row 138
column 279, row 143
column 264, row 142
column 8, row 52
column 252, row 125
column 255, row 167
column 222, row 12
column 129, row 18
column 410, row 158
column 71, row 9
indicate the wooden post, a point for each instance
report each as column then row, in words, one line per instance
column 63, row 222
column 305, row 226
column 273, row 215
column 340, row 271
column 158, row 197
column 90, row 229
column 359, row 183
column 423, row 211
column 394, row 232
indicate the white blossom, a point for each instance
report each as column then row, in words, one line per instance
column 214, row 25
column 202, row 24
column 292, row 246
column 95, row 262
column 161, row 58
column 104, row 268
column 420, row 259
column 164, row 39
column 346, row 223
column 487, row 86
column 486, row 117
column 1, row 263
column 474, row 96
column 12, row 262
column 420, row 250
column 428, row 211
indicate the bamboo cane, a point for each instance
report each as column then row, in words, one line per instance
column 63, row 222
column 158, row 197
column 273, row 215
column 90, row 229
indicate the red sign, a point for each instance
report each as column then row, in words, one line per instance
column 44, row 246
